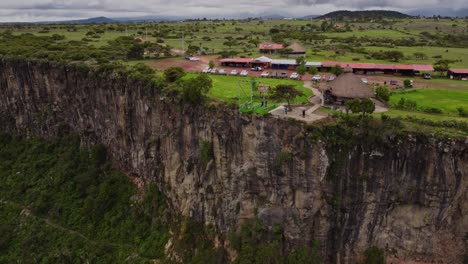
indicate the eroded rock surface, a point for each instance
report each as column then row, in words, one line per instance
column 408, row 196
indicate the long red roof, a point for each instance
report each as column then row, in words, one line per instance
column 373, row 66
column 270, row 46
column 459, row 71
column 237, row 60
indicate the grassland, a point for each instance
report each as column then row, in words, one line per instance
column 446, row 100
column 226, row 88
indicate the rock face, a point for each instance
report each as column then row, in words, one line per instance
column 408, row 196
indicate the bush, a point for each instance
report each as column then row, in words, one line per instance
column 406, row 104
column 382, row 94
column 374, row 255
column 432, row 110
column 205, row 152
column 407, row 83
column 462, row 112
column 174, row 74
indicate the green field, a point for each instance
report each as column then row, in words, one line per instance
column 446, row 100
column 226, row 88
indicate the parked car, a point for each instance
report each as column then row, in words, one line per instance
column 294, row 76
column 284, row 75
column 214, row 71
column 331, row 78
column 206, row 70
column 222, row 72
column 393, row 82
column 274, row 75
column 364, row 80
column 191, row 58
column 265, row 74
column 316, row 78
column 427, row 76
column 234, row 72
column 244, row 73
column 257, row 69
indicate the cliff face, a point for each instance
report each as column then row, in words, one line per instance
column 408, row 196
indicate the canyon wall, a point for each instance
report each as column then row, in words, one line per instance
column 406, row 194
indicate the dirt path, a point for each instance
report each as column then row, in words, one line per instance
column 303, row 113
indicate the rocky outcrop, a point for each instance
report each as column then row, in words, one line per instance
column 407, row 195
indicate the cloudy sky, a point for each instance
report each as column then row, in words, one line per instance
column 48, row 10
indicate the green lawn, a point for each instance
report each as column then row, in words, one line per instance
column 446, row 100
column 226, row 88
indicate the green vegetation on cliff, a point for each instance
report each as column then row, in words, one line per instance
column 60, row 203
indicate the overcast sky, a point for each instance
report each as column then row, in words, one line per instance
column 48, row 10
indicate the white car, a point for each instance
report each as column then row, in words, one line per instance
column 194, row 59
column 244, row 73
column 265, row 74
column 222, row 72
column 206, row 70
column 316, row 78
column 213, row 71
column 234, row 72
column 364, row 80
column 294, row 76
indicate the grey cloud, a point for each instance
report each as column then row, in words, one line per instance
column 33, row 10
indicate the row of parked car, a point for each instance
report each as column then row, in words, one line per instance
column 224, row 72
column 274, row 74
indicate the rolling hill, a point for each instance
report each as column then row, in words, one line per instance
column 364, row 14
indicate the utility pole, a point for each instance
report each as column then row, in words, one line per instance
column 146, row 32
column 183, row 41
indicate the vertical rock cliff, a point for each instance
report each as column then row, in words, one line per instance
column 405, row 194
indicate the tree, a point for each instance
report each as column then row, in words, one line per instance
column 301, row 69
column 363, row 106
column 136, row 52
column 353, row 106
column 383, row 94
column 324, row 26
column 367, row 106
column 194, row 91
column 394, row 55
column 420, row 56
column 174, row 73
column 441, row 66
column 211, row 64
column 313, row 70
column 286, row 92
column 337, row 70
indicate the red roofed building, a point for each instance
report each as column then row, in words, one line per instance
column 372, row 68
column 237, row 62
column 271, row 48
column 459, row 74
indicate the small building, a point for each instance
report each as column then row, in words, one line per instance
column 458, row 74
column 310, row 64
column 262, row 61
column 296, row 50
column 270, row 48
column 237, row 62
column 344, row 87
column 283, row 64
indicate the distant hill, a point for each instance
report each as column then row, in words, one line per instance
column 96, row 20
column 364, row 14
column 93, row 20
column 309, row 17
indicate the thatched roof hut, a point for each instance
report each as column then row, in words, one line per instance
column 296, row 49
column 348, row 85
